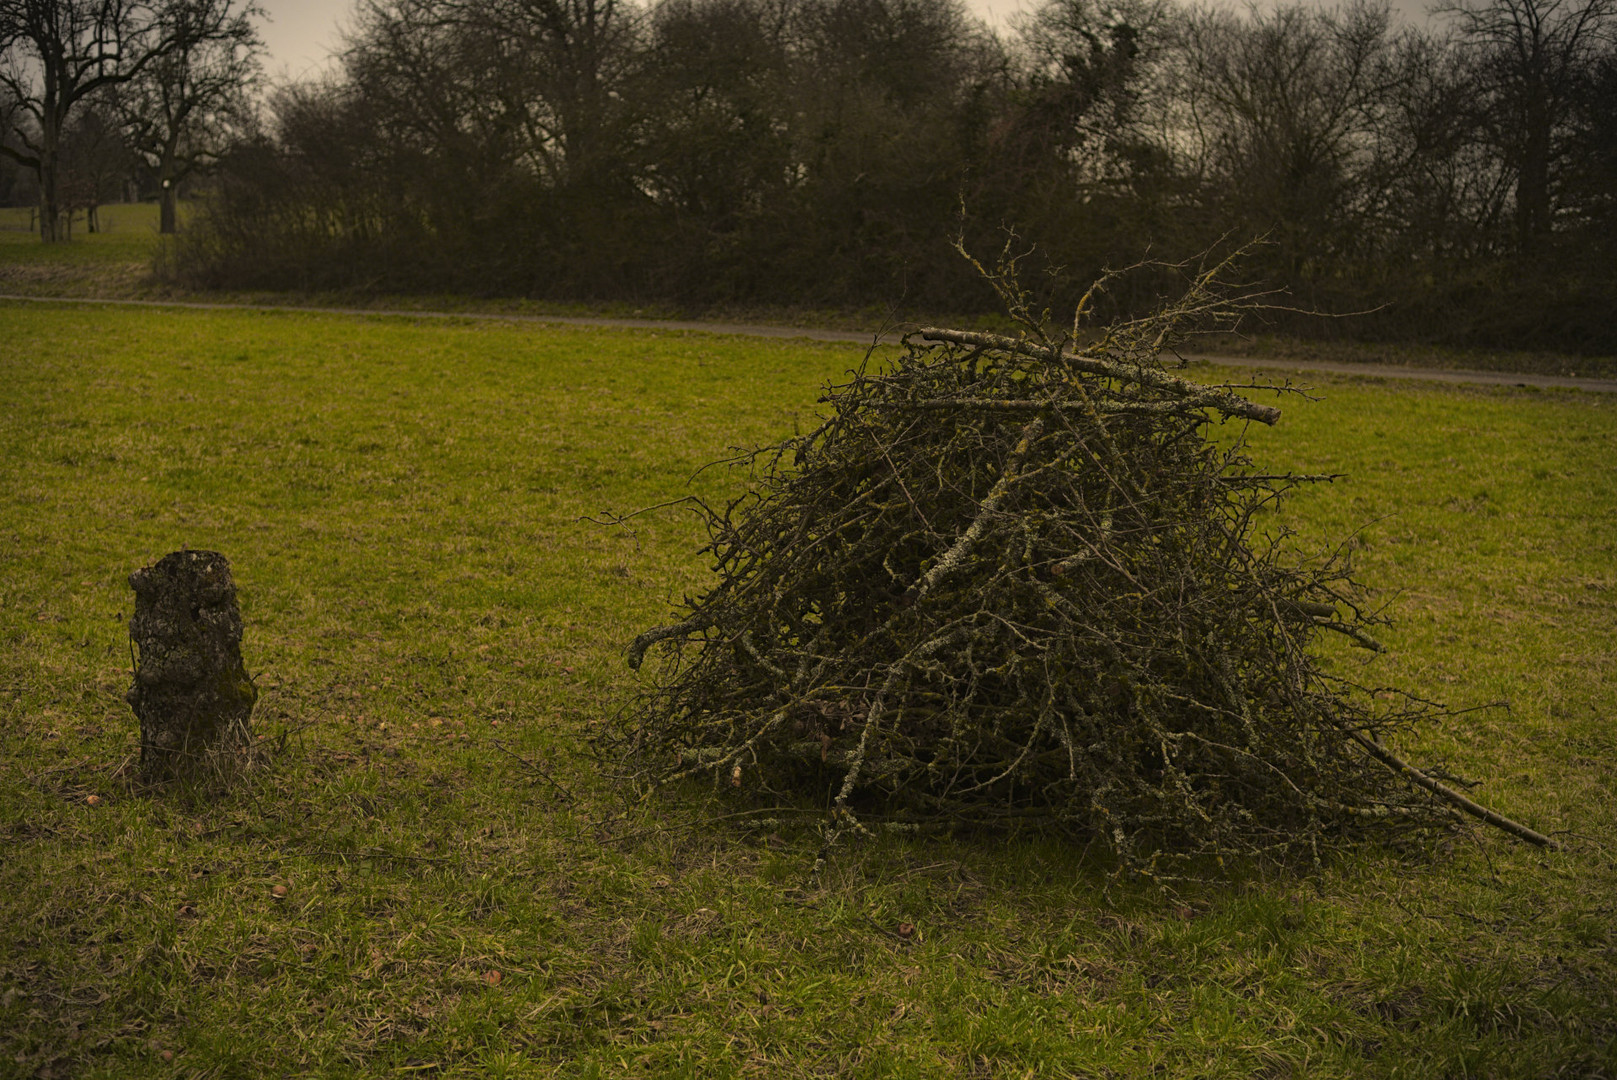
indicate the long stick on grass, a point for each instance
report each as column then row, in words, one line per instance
column 1399, row 765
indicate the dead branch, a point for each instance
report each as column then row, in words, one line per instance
column 1442, row 791
column 1154, row 377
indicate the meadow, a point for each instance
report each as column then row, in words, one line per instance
column 438, row 632
column 127, row 234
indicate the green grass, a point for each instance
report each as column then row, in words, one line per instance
column 438, row 631
column 114, row 262
column 128, row 234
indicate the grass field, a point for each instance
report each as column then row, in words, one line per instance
column 116, row 261
column 438, row 631
column 128, row 234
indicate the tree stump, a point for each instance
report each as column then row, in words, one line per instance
column 191, row 692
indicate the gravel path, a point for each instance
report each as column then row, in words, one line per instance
column 1376, row 371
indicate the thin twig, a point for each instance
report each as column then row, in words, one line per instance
column 535, row 767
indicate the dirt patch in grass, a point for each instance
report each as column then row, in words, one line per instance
column 121, row 281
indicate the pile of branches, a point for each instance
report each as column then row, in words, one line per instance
column 1017, row 579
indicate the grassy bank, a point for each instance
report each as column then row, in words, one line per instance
column 115, row 261
column 437, row 630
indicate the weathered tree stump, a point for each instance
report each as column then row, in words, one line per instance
column 191, row 693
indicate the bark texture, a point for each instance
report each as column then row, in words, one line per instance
column 191, row 692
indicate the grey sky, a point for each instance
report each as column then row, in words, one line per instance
column 302, row 34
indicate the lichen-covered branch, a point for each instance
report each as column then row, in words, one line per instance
column 1153, row 377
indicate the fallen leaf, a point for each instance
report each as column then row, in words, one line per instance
column 278, row 891
column 906, row 930
column 92, row 800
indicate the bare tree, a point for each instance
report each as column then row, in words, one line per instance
column 53, row 55
column 96, row 160
column 183, row 107
column 1591, row 186
column 580, row 50
column 475, row 95
column 1282, row 111
column 713, row 90
column 1090, row 63
column 11, row 173
column 1443, row 193
column 1530, row 58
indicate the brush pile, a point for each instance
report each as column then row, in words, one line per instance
column 1010, row 580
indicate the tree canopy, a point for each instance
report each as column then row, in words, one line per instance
column 1453, row 180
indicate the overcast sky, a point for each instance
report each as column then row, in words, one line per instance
column 302, row 34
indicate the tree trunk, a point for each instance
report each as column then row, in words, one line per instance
column 167, row 217
column 50, row 210
column 166, row 212
column 191, row 693
column 1533, row 185
column 50, row 196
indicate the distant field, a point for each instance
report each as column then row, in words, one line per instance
column 128, row 234
column 117, row 261
column 439, row 630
